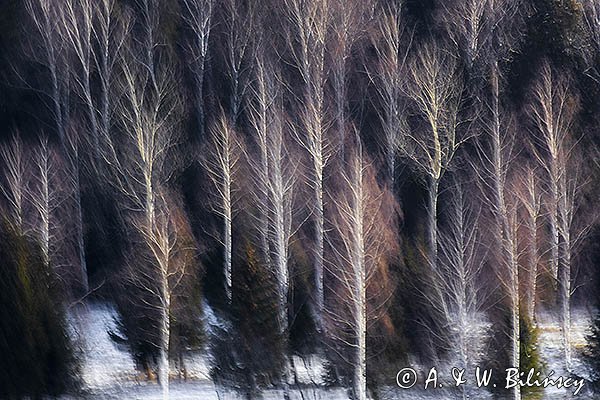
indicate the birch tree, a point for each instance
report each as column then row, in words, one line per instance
column 435, row 87
column 149, row 114
column 362, row 243
column 275, row 170
column 198, row 16
column 264, row 91
column 388, row 76
column 77, row 18
column 466, row 24
column 496, row 153
column 530, row 198
column 553, row 109
column 222, row 163
column 308, row 21
column 239, row 28
column 46, row 197
column 346, row 21
column 111, row 26
column 14, row 183
column 54, row 53
column 461, row 265
column 169, row 256
column 509, row 277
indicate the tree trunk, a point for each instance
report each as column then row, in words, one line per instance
column 533, row 270
column 163, row 358
column 319, row 251
column 79, row 231
column 515, row 339
column 228, row 248
column 432, row 223
column 565, row 299
column 360, row 369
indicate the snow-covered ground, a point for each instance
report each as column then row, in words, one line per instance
column 109, row 372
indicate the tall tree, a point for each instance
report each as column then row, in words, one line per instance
column 54, row 52
column 389, row 75
column 275, row 170
column 14, row 180
column 239, row 28
column 198, row 15
column 497, row 152
column 435, row 87
column 530, row 196
column 362, row 243
column 460, row 267
column 221, row 160
column 553, row 110
column 149, row 113
column 307, row 37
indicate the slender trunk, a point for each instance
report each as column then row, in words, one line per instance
column 105, row 102
column 58, row 109
column 281, row 258
column 45, row 214
column 512, row 247
column 236, row 101
column 340, row 93
column 165, row 333
column 200, row 99
column 565, row 295
column 360, row 369
column 515, row 337
column 79, row 230
column 228, row 251
column 433, row 192
column 319, row 250
column 554, row 221
column 533, row 269
column 93, row 120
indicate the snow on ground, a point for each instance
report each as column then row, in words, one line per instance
column 104, row 363
column 109, row 372
column 551, row 349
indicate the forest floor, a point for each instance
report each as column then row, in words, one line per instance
column 109, row 372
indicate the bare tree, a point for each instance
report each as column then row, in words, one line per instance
column 362, row 243
column 388, row 77
column 149, row 113
column 46, row 197
column 111, row 27
column 308, row 21
column 54, row 53
column 169, row 253
column 221, row 160
column 264, row 91
column 466, row 24
column 77, row 19
column 275, row 172
column 591, row 16
column 198, row 15
column 435, row 87
column 497, row 151
column 530, row 196
column 508, row 275
column 346, row 21
column 460, row 267
column 553, row 110
column 15, row 183
column 239, row 28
